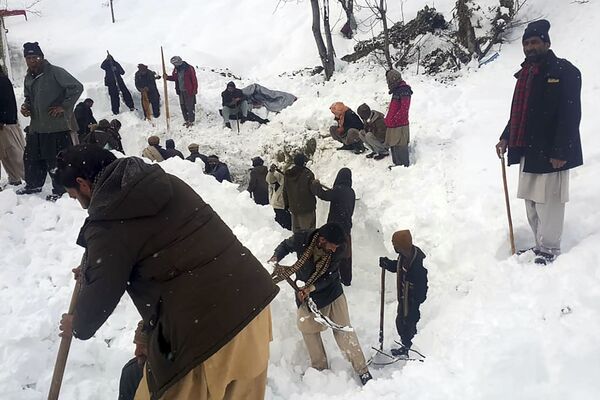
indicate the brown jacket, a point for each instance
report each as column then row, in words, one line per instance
column 376, row 124
column 297, row 193
column 258, row 185
column 195, row 285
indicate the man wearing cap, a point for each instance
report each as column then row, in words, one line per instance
column 542, row 136
column 234, row 103
column 411, row 284
column 298, row 196
column 194, row 149
column 258, row 187
column 145, row 83
column 154, row 152
column 84, row 116
column 317, row 271
column 217, row 168
column 113, row 80
column 50, row 95
column 186, row 87
column 373, row 134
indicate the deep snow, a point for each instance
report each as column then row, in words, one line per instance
column 493, row 326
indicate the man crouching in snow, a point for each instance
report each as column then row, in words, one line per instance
column 411, row 285
column 149, row 233
column 318, row 268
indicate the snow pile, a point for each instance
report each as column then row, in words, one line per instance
column 493, row 326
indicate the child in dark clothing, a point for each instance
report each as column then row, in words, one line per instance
column 411, row 284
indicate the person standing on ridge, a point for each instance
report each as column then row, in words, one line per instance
column 298, row 196
column 186, row 87
column 145, row 82
column 257, row 186
column 85, row 117
column 542, row 136
column 113, row 80
column 397, row 135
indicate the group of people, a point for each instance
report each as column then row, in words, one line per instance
column 381, row 134
column 194, row 347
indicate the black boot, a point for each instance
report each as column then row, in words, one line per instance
column 365, row 377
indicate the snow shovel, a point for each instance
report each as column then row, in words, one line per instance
column 507, row 201
column 63, row 351
column 379, row 357
column 318, row 315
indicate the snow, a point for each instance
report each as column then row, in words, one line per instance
column 493, row 326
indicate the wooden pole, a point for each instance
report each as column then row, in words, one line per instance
column 381, row 309
column 164, row 68
column 63, row 351
column 112, row 11
column 507, row 201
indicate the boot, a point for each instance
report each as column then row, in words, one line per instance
column 346, row 147
column 380, row 156
column 358, row 148
column 544, row 258
column 29, row 190
column 365, row 377
column 53, row 197
column 227, row 125
column 400, row 352
column 371, row 154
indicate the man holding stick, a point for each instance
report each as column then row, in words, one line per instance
column 542, row 136
column 189, row 278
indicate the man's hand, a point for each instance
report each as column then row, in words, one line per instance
column 141, row 353
column 304, row 293
column 66, row 326
column 25, row 110
column 556, row 164
column 56, row 111
column 165, row 76
column 501, row 148
column 76, row 273
column 273, row 259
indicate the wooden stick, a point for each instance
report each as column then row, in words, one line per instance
column 507, row 201
column 381, row 309
column 164, row 68
column 63, row 351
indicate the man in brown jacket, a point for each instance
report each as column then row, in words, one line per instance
column 188, row 277
column 373, row 135
column 298, row 195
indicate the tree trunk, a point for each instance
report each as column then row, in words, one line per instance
column 386, row 34
column 325, row 53
column 466, row 32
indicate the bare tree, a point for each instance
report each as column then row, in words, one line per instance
column 326, row 52
column 379, row 10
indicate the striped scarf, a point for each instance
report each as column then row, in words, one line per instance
column 518, row 112
column 281, row 272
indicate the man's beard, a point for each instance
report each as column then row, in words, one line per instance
column 535, row 57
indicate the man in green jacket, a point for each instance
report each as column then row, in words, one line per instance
column 50, row 95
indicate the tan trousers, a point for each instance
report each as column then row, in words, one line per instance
column 238, row 371
column 304, row 221
column 12, row 145
column 346, row 341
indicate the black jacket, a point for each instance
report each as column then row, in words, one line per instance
column 416, row 276
column 105, row 139
column 84, row 117
column 342, row 198
column 258, row 185
column 8, row 103
column 146, row 79
column 195, row 155
column 553, row 116
column 229, row 96
column 328, row 286
column 112, row 73
column 351, row 120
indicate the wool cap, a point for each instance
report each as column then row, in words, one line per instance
column 300, row 160
column 32, row 49
column 538, row 28
column 142, row 66
column 257, row 161
column 333, row 233
column 402, row 240
column 193, row 146
column 231, row 84
column 364, row 111
column 393, row 78
column 153, row 140
column 176, row 61
column 103, row 125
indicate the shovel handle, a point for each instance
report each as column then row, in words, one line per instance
column 508, row 213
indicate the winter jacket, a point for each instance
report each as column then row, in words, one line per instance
column 221, row 172
column 413, row 272
column 52, row 87
column 328, row 287
column 104, row 139
column 276, row 182
column 8, row 103
column 84, row 117
column 258, row 185
column 228, row 97
column 399, row 106
column 553, row 117
column 351, row 120
column 190, row 83
column 297, row 193
column 376, row 125
column 154, row 153
column 342, row 198
column 112, row 73
column 146, row 79
column 197, row 155
column 194, row 284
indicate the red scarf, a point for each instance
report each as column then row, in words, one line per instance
column 518, row 112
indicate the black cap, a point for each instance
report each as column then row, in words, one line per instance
column 231, row 84
column 257, row 161
column 300, row 160
column 538, row 28
column 333, row 233
column 32, row 49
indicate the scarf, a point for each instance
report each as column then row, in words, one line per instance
column 281, row 272
column 518, row 111
column 339, row 110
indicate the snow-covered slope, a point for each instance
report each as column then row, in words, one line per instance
column 493, row 327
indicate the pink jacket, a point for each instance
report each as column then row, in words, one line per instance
column 397, row 114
